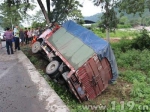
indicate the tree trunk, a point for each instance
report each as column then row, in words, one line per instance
column 44, row 11
column 107, row 34
column 48, row 9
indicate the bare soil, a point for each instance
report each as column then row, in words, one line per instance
column 120, row 91
column 112, row 40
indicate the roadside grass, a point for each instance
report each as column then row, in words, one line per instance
column 117, row 34
column 134, row 68
column 130, row 93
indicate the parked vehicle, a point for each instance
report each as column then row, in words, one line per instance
column 80, row 59
column 1, row 35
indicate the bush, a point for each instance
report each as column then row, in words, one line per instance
column 142, row 41
column 123, row 45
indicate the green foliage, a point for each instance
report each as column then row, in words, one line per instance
column 67, row 97
column 123, row 20
column 80, row 21
column 13, row 12
column 63, row 9
column 136, row 19
column 124, row 25
column 142, row 41
column 33, row 59
column 130, row 6
column 134, row 68
column 135, row 22
column 109, row 19
column 37, row 24
column 138, row 89
column 123, row 34
column 18, row 3
column 131, row 75
column 131, row 58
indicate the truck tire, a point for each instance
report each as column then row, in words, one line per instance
column 36, row 47
column 52, row 67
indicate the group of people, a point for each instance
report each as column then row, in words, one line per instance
column 15, row 38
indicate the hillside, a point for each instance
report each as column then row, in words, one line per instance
column 93, row 18
column 97, row 16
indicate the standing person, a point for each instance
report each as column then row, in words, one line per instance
column 40, row 31
column 16, row 34
column 8, row 35
column 13, row 40
column 26, row 36
column 21, row 35
column 29, row 33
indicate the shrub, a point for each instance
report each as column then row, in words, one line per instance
column 123, row 45
column 130, row 75
column 142, row 41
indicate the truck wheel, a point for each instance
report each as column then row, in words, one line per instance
column 52, row 67
column 36, row 47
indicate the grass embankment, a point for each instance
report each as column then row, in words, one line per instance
column 130, row 93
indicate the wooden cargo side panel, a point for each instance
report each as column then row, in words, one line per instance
column 99, row 83
column 94, row 76
column 84, row 78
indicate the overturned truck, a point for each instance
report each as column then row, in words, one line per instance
column 78, row 58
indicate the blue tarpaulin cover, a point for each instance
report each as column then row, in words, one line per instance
column 99, row 45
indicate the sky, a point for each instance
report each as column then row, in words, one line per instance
column 88, row 8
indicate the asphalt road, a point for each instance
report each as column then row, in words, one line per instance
column 22, row 89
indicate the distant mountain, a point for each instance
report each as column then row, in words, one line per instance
column 93, row 18
column 97, row 16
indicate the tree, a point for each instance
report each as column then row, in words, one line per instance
column 36, row 24
column 38, row 17
column 135, row 22
column 109, row 18
column 132, row 6
column 44, row 11
column 12, row 13
column 135, row 7
column 123, row 20
column 62, row 9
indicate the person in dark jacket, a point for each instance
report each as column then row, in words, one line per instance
column 8, row 35
column 22, row 36
column 26, row 36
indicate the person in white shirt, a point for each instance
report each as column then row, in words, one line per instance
column 16, row 35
